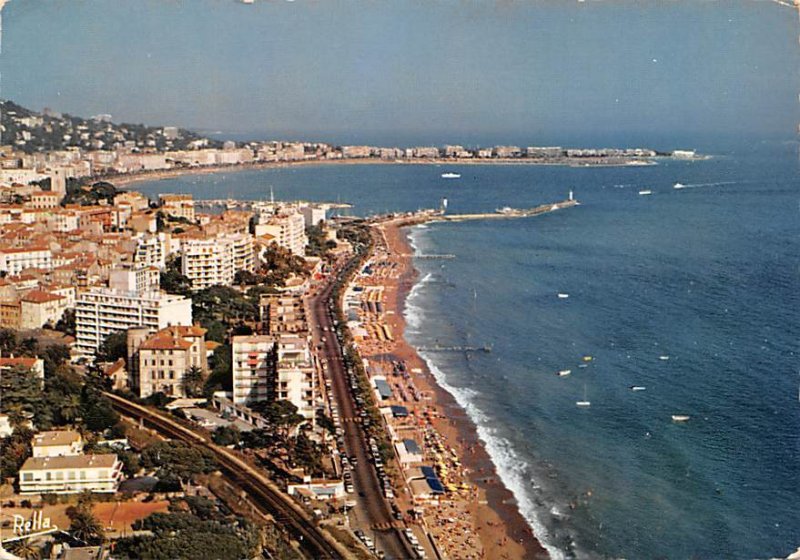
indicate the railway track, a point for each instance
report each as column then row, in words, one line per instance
column 262, row 491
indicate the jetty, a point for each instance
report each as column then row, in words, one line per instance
column 427, row 216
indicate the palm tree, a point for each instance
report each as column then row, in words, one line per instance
column 84, row 525
column 193, row 381
column 71, row 407
column 25, row 549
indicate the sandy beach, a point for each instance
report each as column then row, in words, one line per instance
column 480, row 519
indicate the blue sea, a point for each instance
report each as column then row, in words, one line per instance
column 706, row 276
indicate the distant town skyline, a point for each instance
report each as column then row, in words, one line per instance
column 356, row 72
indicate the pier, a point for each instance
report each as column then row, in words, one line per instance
column 427, row 216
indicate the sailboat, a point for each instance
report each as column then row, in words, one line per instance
column 584, row 403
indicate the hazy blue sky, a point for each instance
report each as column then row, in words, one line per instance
column 457, row 70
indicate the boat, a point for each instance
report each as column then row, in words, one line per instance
column 678, row 186
column 680, row 417
column 584, row 403
column 663, row 358
column 451, row 175
column 562, row 295
column 583, row 366
column 564, row 372
column 587, row 358
column 637, row 388
column 645, row 192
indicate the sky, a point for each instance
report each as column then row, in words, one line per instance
column 413, row 71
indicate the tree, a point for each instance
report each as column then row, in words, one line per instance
column 178, row 459
column 14, row 451
column 114, row 347
column 280, row 263
column 184, row 535
column 21, row 391
column 54, row 356
column 25, row 549
column 221, row 377
column 84, row 526
column 71, row 407
column 308, row 455
column 226, row 435
column 193, row 381
column 8, row 341
column 222, row 303
column 67, row 322
column 281, row 414
column 96, row 410
column 173, row 281
column 29, row 346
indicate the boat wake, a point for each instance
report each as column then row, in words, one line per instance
column 679, row 186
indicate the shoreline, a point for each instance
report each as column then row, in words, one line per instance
column 496, row 518
column 127, row 179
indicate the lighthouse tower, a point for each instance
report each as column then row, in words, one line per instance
column 571, row 198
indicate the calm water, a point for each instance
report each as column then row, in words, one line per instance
column 706, row 275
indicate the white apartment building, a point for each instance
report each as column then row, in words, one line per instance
column 296, row 375
column 208, row 262
column 14, row 261
column 244, row 255
column 270, row 368
column 178, row 205
column 151, row 250
column 253, row 366
column 139, row 279
column 312, row 215
column 63, row 220
column 58, row 443
column 101, row 311
column 214, row 261
column 70, row 474
column 287, row 227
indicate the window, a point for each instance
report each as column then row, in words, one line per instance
column 59, row 475
column 48, row 476
column 83, row 475
column 27, row 477
column 71, row 475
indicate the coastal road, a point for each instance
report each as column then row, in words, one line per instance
column 372, row 503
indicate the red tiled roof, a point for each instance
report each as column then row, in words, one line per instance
column 38, row 296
